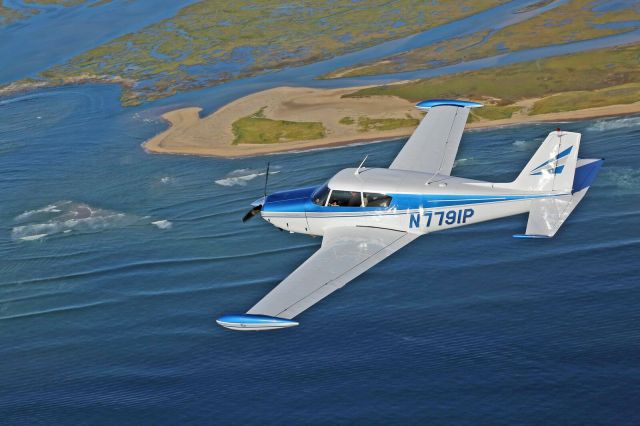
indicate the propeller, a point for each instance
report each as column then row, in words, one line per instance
column 257, row 205
column 251, row 213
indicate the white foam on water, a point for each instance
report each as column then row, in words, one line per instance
column 462, row 161
column 147, row 117
column 622, row 177
column 166, row 179
column 63, row 217
column 522, row 144
column 619, row 123
column 240, row 177
column 162, row 224
column 51, row 208
column 33, row 237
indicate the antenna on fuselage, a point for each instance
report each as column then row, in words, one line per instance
column 266, row 178
column 357, row 172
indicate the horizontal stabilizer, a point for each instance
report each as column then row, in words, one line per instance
column 547, row 215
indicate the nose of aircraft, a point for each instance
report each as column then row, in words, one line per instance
column 282, row 201
column 256, row 208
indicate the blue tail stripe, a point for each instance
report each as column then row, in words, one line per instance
column 565, row 152
column 559, row 156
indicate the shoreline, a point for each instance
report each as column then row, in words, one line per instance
column 212, row 135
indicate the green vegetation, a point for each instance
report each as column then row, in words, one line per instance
column 13, row 13
column 491, row 112
column 622, row 94
column 366, row 123
column 347, row 121
column 256, row 128
column 613, row 78
column 214, row 41
column 9, row 15
column 569, row 22
column 65, row 3
column 507, row 84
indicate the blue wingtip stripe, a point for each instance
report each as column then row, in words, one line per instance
column 431, row 103
column 254, row 319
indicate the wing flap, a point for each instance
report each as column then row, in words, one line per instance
column 346, row 252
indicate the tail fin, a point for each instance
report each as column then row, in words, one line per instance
column 552, row 167
column 548, row 214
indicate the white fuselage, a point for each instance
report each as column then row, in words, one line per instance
column 419, row 202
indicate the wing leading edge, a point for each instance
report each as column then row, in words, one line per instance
column 433, row 146
column 346, row 252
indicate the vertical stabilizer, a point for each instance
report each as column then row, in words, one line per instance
column 552, row 167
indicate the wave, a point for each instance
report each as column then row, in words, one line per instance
column 30, row 213
column 240, row 177
column 462, row 161
column 520, row 144
column 147, row 117
column 58, row 310
column 162, row 224
column 622, row 177
column 65, row 217
column 618, row 123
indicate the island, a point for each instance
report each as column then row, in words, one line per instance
column 291, row 118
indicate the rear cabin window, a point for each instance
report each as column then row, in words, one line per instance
column 345, row 199
column 321, row 195
column 372, row 199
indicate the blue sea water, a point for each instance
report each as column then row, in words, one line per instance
column 114, row 264
column 109, row 318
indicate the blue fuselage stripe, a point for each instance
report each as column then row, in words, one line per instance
column 300, row 202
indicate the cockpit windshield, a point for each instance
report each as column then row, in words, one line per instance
column 320, row 196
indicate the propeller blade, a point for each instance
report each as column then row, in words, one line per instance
column 266, row 179
column 251, row 213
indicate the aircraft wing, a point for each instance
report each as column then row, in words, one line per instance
column 346, row 252
column 433, row 146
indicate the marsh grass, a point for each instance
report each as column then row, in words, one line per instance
column 366, row 124
column 611, row 79
column 257, row 129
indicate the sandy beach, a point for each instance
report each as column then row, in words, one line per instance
column 189, row 134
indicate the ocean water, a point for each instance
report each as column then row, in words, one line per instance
column 115, row 264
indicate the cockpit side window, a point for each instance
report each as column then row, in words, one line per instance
column 372, row 199
column 320, row 196
column 345, row 199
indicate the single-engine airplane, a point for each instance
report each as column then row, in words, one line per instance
column 366, row 214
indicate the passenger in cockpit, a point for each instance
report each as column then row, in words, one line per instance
column 355, row 200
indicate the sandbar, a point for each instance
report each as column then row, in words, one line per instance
column 189, row 134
